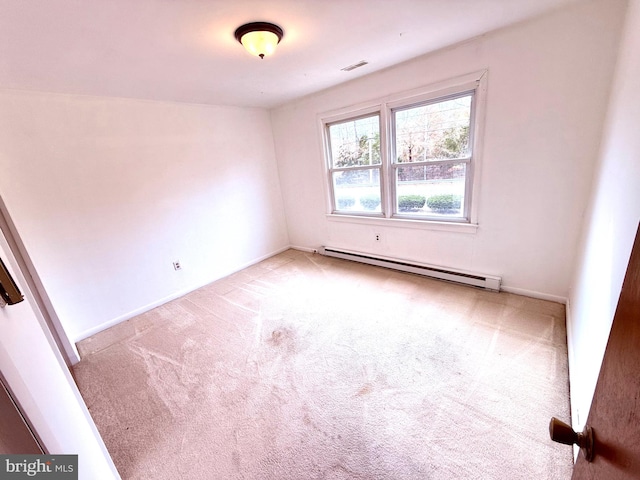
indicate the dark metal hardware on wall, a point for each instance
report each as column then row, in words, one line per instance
column 9, row 291
column 562, row 433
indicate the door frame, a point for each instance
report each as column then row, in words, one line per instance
column 65, row 345
column 41, row 384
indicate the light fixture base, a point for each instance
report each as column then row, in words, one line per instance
column 260, row 38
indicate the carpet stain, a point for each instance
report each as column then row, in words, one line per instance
column 284, row 338
column 235, row 457
column 365, row 390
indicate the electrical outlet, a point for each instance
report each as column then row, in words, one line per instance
column 176, row 265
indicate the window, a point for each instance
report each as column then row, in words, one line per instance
column 408, row 159
column 356, row 164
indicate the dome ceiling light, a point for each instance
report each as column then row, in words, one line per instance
column 259, row 38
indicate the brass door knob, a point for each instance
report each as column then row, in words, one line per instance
column 562, row 433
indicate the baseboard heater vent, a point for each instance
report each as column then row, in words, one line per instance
column 483, row 281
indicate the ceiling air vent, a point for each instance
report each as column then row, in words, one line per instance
column 361, row 63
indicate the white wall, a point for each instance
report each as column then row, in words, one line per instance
column 610, row 226
column 107, row 193
column 548, row 86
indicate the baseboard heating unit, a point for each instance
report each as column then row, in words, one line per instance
column 477, row 280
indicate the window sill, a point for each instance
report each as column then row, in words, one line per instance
column 405, row 223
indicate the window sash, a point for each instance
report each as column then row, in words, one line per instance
column 395, row 195
column 432, row 162
column 330, row 146
column 365, row 190
column 432, row 101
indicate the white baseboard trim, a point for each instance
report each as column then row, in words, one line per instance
column 173, row 296
column 133, row 313
column 534, row 294
column 503, row 288
column 304, row 249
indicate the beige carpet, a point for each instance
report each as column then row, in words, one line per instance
column 305, row 367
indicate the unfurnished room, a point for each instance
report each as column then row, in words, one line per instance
column 320, row 239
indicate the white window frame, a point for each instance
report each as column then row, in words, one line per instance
column 475, row 83
column 331, row 170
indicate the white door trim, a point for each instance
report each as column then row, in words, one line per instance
column 66, row 346
column 41, row 384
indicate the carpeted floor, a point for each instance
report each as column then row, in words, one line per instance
column 305, row 367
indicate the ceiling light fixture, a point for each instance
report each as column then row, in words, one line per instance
column 259, row 38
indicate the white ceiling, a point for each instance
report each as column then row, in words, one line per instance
column 185, row 51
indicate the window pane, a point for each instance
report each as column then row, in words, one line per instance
column 357, row 190
column 433, row 132
column 431, row 190
column 355, row 142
